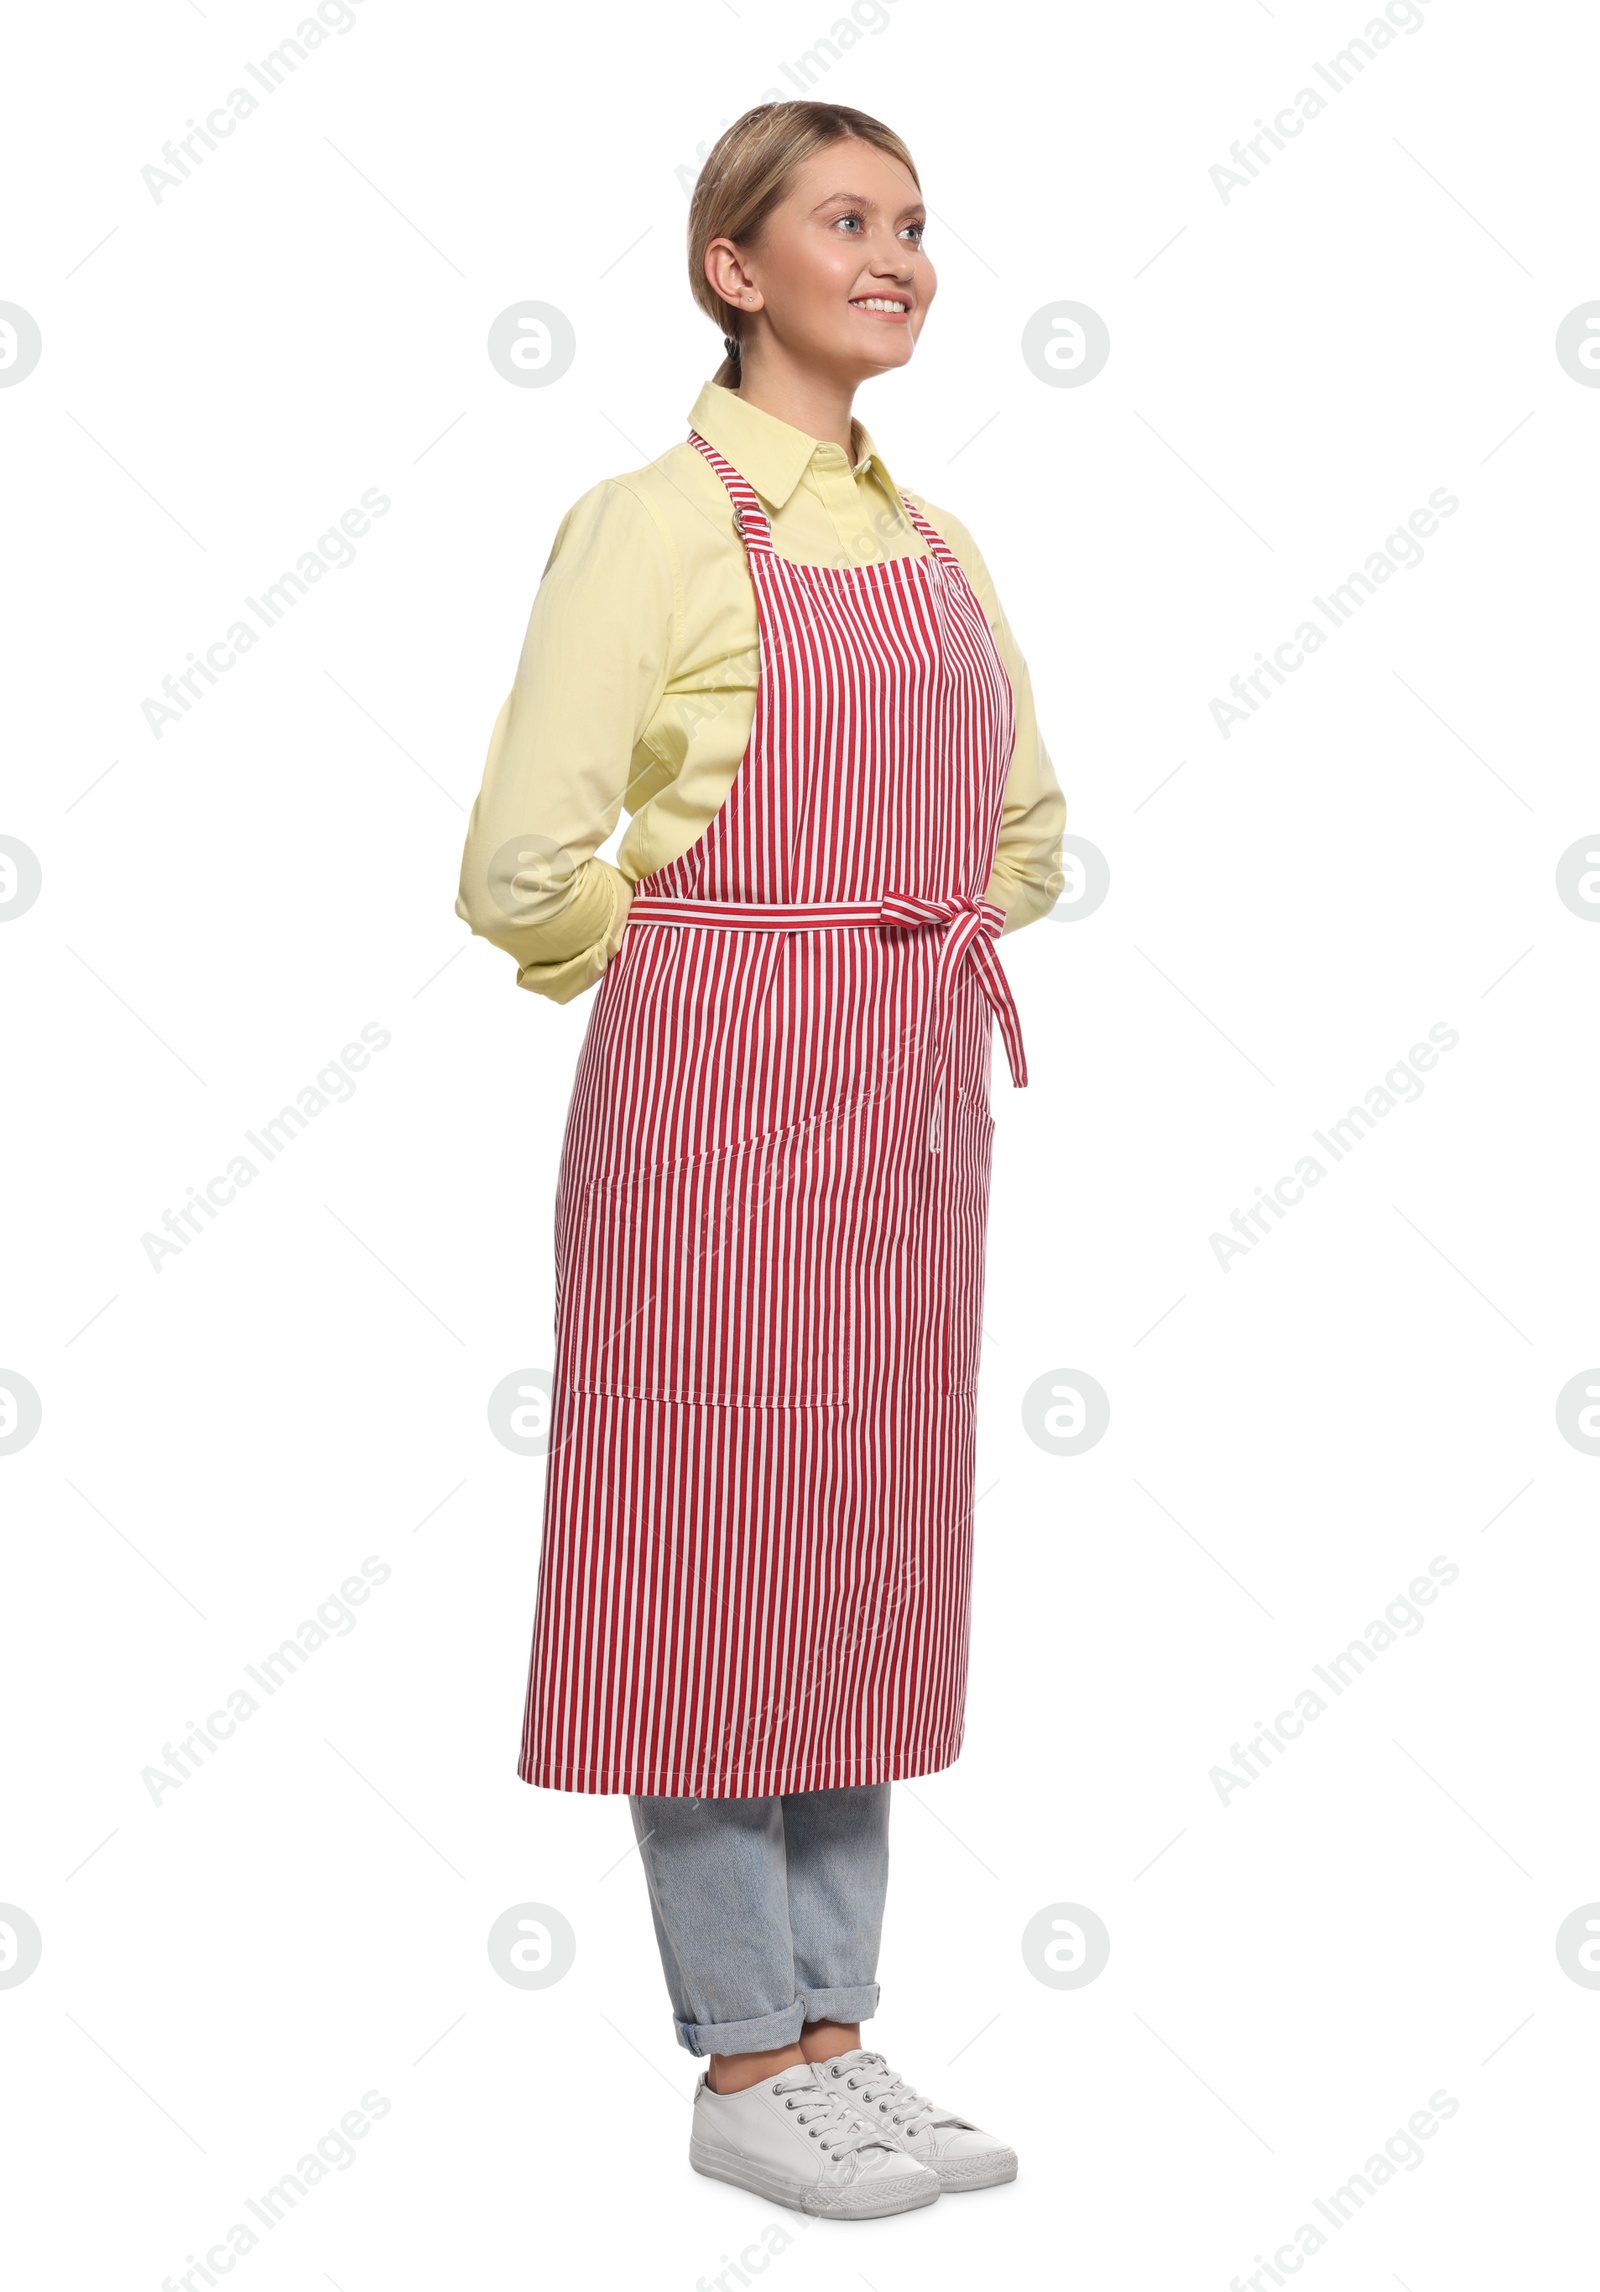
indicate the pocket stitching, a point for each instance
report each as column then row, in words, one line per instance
column 611, row 1191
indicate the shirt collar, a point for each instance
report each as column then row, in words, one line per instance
column 773, row 455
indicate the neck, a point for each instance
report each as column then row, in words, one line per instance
column 817, row 404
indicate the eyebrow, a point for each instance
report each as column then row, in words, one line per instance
column 859, row 199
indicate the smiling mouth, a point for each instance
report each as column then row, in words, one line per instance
column 882, row 305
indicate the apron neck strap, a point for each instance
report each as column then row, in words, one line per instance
column 937, row 544
column 748, row 514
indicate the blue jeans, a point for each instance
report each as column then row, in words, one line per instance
column 768, row 1911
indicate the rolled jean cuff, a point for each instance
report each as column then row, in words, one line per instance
column 763, row 2035
column 857, row 2004
column 770, row 2030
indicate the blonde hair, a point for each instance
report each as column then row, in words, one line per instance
column 747, row 172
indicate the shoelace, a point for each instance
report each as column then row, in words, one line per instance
column 827, row 2116
column 912, row 2112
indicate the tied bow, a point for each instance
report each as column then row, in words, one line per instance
column 970, row 927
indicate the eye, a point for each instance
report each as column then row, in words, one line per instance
column 916, row 232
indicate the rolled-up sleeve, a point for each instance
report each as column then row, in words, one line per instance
column 594, row 662
column 1028, row 876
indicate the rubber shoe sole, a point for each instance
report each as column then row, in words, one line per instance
column 980, row 2173
column 862, row 2200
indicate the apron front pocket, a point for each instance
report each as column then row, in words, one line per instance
column 718, row 1278
column 957, row 1244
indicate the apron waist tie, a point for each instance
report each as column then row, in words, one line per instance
column 970, row 927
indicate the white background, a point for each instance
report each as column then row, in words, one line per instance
column 1291, row 1441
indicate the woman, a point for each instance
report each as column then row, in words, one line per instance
column 771, row 1213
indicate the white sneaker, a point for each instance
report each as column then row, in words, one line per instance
column 959, row 2152
column 796, row 2140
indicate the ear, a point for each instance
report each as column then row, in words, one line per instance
column 728, row 277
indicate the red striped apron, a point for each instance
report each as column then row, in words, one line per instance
column 770, row 1227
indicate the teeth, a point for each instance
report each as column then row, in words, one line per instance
column 875, row 302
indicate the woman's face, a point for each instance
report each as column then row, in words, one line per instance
column 837, row 271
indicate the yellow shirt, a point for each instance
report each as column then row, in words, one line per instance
column 637, row 683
